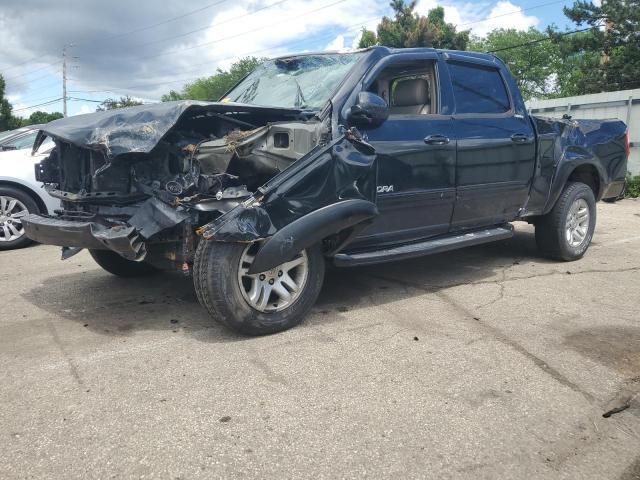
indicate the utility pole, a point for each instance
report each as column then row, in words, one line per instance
column 64, row 76
column 64, row 80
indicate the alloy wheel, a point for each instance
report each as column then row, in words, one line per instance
column 275, row 289
column 12, row 211
column 577, row 225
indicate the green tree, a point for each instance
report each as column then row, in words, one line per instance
column 172, row 96
column 607, row 57
column 122, row 102
column 213, row 87
column 538, row 67
column 368, row 39
column 409, row 29
column 41, row 117
column 7, row 120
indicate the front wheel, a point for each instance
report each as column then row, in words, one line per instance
column 256, row 304
column 566, row 231
column 14, row 206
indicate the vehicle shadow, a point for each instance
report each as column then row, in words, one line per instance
column 109, row 305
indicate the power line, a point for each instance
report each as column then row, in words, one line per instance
column 244, row 33
column 172, row 19
column 209, row 26
column 39, row 105
column 183, row 80
column 520, row 10
column 540, row 40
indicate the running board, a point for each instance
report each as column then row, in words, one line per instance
column 428, row 247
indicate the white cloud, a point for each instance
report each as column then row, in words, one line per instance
column 477, row 18
column 505, row 15
column 84, row 108
column 336, row 44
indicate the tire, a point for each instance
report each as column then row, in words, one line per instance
column 552, row 234
column 119, row 266
column 13, row 203
column 225, row 292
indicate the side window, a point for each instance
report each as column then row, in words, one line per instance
column 478, row 89
column 25, row 141
column 409, row 87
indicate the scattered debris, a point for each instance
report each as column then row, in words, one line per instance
column 225, row 419
column 173, row 320
column 416, row 338
column 476, row 319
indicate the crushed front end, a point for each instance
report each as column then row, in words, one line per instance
column 140, row 181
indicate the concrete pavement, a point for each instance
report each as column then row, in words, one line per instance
column 489, row 362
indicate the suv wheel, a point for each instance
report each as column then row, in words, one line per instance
column 14, row 205
column 261, row 303
column 566, row 231
column 119, row 266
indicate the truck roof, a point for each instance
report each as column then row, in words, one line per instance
column 392, row 51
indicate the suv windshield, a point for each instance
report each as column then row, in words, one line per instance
column 305, row 82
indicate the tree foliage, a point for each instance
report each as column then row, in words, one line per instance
column 41, row 117
column 7, row 120
column 213, row 87
column 114, row 103
column 606, row 58
column 410, row 29
column 536, row 67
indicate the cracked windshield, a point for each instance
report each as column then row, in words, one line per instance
column 294, row 82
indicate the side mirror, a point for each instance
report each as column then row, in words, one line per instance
column 370, row 110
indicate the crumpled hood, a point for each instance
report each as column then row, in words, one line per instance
column 134, row 129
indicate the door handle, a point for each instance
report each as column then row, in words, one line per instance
column 519, row 138
column 436, row 140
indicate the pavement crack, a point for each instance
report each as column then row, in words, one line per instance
column 73, row 368
column 269, row 374
column 504, row 339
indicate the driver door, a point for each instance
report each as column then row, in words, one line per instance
column 416, row 155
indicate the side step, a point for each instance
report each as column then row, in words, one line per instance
column 428, row 247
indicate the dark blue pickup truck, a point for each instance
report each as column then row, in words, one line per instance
column 350, row 158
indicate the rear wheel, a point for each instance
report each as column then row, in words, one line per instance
column 119, row 266
column 566, row 231
column 261, row 303
column 14, row 206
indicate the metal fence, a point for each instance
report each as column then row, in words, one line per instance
column 623, row 105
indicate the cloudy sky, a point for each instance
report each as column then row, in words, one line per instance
column 137, row 48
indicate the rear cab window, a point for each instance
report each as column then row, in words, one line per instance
column 478, row 89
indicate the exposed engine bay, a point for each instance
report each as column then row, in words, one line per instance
column 149, row 182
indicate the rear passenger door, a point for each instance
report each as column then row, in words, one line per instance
column 495, row 144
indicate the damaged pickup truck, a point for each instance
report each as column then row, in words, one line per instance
column 352, row 159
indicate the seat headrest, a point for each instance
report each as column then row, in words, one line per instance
column 411, row 92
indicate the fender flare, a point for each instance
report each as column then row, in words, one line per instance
column 564, row 171
column 309, row 230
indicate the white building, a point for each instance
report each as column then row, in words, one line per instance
column 623, row 105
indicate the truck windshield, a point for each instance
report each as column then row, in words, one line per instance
column 304, row 82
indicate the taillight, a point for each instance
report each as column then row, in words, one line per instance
column 627, row 146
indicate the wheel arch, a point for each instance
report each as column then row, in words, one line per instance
column 587, row 174
column 29, row 191
column 587, row 171
column 312, row 229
